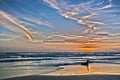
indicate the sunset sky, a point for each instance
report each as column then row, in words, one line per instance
column 59, row 25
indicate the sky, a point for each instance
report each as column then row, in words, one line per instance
column 59, row 25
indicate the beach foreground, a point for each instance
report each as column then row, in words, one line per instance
column 78, row 72
column 97, row 71
column 94, row 68
column 80, row 77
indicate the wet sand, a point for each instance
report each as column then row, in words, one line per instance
column 97, row 71
column 94, row 68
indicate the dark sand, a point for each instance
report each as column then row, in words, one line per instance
column 80, row 77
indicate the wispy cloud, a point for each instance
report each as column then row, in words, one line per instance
column 64, row 38
column 75, row 12
column 13, row 24
column 103, row 37
column 53, row 4
column 87, row 14
column 29, row 20
column 71, row 14
column 8, row 37
column 82, row 13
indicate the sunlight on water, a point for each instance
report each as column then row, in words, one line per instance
column 22, row 64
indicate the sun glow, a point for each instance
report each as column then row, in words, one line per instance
column 87, row 50
column 90, row 46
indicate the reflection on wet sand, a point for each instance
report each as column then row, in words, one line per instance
column 94, row 68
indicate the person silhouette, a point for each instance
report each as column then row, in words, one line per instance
column 86, row 64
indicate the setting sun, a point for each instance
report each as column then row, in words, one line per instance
column 90, row 46
column 88, row 50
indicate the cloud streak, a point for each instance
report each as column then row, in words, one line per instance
column 13, row 24
column 8, row 37
column 53, row 4
column 91, row 25
column 29, row 20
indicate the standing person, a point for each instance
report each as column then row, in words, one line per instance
column 86, row 64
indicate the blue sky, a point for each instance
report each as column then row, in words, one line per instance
column 51, row 25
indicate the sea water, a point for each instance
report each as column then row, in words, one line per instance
column 39, row 63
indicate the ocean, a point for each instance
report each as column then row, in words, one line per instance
column 39, row 63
